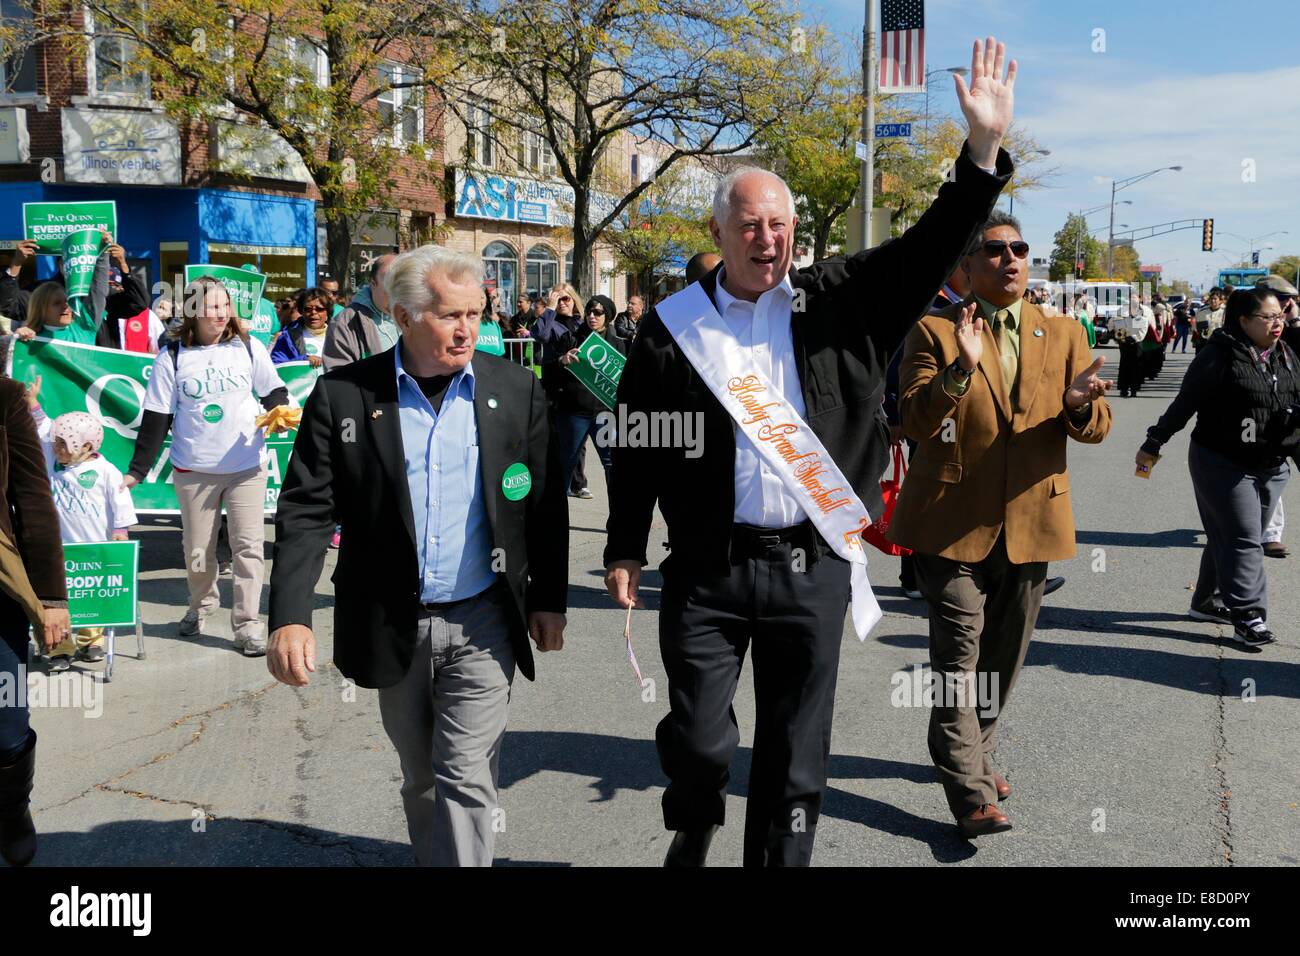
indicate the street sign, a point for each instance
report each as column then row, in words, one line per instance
column 860, row 150
column 893, row 130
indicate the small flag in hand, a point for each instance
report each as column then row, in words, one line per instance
column 902, row 46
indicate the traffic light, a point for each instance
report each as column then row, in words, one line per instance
column 1254, row 258
column 1207, row 236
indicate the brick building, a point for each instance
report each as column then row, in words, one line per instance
column 228, row 191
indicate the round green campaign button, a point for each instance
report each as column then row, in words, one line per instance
column 517, row 481
column 87, row 479
column 212, row 413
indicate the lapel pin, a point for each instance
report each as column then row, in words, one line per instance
column 1038, row 333
column 376, row 413
column 492, row 403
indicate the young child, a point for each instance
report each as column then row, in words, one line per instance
column 90, row 497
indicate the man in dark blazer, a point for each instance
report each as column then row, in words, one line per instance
column 746, row 560
column 440, row 466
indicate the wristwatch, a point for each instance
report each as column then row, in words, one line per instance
column 958, row 372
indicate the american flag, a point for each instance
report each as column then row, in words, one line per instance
column 902, row 46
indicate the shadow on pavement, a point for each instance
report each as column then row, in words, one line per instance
column 1272, row 678
column 1180, row 538
column 223, row 842
column 619, row 763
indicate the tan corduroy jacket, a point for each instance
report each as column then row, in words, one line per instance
column 982, row 462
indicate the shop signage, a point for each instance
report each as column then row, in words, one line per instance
column 120, row 146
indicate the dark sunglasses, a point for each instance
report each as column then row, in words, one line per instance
column 595, row 310
column 994, row 248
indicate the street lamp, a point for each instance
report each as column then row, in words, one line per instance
column 955, row 70
column 1116, row 186
column 1011, row 197
column 1084, row 214
column 1271, row 245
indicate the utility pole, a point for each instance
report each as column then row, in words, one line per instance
column 867, row 194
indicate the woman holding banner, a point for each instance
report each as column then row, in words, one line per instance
column 205, row 388
column 576, row 406
column 33, row 591
column 72, row 311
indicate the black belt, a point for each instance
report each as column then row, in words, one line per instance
column 749, row 539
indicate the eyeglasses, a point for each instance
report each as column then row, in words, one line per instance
column 315, row 308
column 595, row 311
column 994, row 248
column 564, row 298
column 1270, row 319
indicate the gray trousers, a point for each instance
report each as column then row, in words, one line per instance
column 982, row 616
column 446, row 718
column 1235, row 506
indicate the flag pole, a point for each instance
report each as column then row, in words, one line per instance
column 868, row 118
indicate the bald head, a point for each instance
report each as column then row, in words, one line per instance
column 753, row 224
column 701, row 264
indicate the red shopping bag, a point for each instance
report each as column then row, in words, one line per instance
column 889, row 488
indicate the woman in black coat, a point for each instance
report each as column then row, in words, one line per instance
column 1244, row 388
column 576, row 406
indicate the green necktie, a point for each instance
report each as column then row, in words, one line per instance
column 1007, row 351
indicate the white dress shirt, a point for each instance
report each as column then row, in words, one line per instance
column 762, row 329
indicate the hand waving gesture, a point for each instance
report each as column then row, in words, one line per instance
column 989, row 100
column 970, row 340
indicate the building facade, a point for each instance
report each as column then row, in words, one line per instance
column 228, row 191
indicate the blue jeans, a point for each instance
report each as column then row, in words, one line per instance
column 13, row 675
column 1183, row 331
column 573, row 431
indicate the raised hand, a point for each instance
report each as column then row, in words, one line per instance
column 1087, row 385
column 970, row 338
column 988, row 103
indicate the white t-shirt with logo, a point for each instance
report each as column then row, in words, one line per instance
column 214, row 398
column 91, row 498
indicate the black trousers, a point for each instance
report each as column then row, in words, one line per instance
column 791, row 601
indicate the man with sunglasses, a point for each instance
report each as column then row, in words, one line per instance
column 990, row 389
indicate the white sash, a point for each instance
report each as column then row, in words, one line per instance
column 785, row 442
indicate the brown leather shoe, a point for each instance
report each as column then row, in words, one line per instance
column 987, row 819
column 1004, row 788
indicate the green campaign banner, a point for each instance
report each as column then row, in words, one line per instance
column 489, row 339
column 244, row 285
column 47, row 223
column 110, row 385
column 102, row 583
column 80, row 250
column 599, row 367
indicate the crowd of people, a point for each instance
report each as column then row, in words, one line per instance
column 440, row 474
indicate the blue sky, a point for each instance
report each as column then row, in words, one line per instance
column 1205, row 84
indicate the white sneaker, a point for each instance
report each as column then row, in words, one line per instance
column 252, row 646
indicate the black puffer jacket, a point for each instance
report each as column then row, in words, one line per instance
column 1246, row 411
column 571, row 396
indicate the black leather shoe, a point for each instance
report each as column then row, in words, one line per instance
column 17, row 830
column 690, row 847
column 1052, row 584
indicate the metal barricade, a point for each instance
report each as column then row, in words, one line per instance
column 522, row 352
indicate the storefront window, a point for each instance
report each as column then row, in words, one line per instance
column 285, row 270
column 501, row 272
column 542, row 270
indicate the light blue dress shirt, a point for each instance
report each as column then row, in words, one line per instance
column 452, row 533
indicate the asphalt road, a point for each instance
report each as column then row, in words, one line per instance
column 1135, row 736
